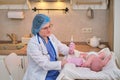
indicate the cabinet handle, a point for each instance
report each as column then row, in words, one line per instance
column 21, row 63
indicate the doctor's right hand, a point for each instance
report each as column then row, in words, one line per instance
column 63, row 62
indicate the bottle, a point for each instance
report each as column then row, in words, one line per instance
column 71, row 46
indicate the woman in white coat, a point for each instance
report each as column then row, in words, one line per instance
column 42, row 51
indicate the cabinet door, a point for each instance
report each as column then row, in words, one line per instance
column 3, row 71
column 21, row 69
column 16, row 69
column 25, row 63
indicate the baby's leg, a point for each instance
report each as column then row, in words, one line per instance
column 102, row 55
column 88, row 62
column 106, row 60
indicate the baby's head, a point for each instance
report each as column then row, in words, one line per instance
column 96, row 64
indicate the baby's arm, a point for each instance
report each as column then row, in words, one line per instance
column 88, row 61
column 83, row 55
column 75, row 60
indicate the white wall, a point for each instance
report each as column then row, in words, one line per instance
column 117, row 29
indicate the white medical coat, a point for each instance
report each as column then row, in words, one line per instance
column 39, row 60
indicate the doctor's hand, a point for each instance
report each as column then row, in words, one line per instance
column 63, row 62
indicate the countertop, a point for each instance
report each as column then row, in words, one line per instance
column 86, row 48
column 21, row 51
column 79, row 46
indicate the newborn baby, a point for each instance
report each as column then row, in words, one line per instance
column 91, row 60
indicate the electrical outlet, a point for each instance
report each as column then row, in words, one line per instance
column 86, row 30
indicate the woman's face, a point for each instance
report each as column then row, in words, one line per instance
column 45, row 30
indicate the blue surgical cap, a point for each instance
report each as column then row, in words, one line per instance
column 38, row 22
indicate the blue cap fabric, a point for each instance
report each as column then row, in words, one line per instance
column 38, row 22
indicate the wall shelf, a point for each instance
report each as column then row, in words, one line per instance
column 85, row 4
column 15, row 4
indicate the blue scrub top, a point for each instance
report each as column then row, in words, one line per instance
column 52, row 74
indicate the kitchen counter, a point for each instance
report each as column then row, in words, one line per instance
column 86, row 48
column 21, row 51
column 79, row 46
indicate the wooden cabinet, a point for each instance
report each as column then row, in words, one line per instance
column 21, row 69
column 4, row 75
column 25, row 62
column 17, row 72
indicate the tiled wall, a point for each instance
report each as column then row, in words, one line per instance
column 65, row 25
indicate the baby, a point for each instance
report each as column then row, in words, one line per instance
column 91, row 60
column 95, row 61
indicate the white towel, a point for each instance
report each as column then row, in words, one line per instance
column 109, row 72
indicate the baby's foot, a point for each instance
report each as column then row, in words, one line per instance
column 102, row 55
column 109, row 56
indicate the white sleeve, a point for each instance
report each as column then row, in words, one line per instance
column 35, row 53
